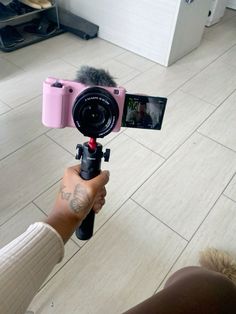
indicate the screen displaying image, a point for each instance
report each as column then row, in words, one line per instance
column 143, row 112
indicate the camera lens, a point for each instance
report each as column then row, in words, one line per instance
column 95, row 112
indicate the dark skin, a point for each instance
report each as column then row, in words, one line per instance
column 75, row 199
column 191, row 290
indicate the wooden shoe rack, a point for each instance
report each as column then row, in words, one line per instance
column 20, row 22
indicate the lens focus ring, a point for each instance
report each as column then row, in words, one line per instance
column 95, row 112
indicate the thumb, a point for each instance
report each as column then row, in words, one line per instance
column 101, row 180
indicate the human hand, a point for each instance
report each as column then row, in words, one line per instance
column 78, row 195
column 75, row 199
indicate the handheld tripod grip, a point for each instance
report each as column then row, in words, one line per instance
column 90, row 168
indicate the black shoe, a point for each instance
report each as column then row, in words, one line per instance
column 42, row 27
column 19, row 8
column 10, row 36
column 14, row 34
column 5, row 12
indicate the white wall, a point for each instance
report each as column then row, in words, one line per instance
column 160, row 30
column 142, row 26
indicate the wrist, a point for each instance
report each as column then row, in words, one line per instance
column 63, row 222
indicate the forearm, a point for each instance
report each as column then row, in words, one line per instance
column 64, row 223
column 25, row 263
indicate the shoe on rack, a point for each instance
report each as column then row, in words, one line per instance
column 5, row 40
column 9, row 36
column 13, row 33
column 42, row 27
column 31, row 3
column 19, row 8
column 5, row 12
column 45, row 4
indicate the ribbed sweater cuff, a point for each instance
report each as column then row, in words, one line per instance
column 25, row 263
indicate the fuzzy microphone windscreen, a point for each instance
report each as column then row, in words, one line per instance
column 92, row 77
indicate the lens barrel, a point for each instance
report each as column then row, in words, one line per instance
column 95, row 112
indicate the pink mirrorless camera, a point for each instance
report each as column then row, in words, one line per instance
column 95, row 111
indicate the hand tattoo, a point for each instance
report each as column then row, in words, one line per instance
column 80, row 199
column 64, row 195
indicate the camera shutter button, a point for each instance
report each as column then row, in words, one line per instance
column 57, row 84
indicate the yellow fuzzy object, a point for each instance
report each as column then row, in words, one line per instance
column 219, row 261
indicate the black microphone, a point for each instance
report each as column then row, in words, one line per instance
column 94, row 77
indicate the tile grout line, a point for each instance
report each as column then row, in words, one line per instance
column 13, row 63
column 86, row 242
column 55, row 142
column 214, row 105
column 196, row 129
column 156, row 170
column 22, row 104
column 4, row 103
column 144, row 146
column 47, row 216
column 19, row 148
column 164, row 162
column 194, row 234
column 213, row 140
column 39, row 208
column 128, row 198
column 189, row 242
column 210, row 210
column 30, row 202
column 158, row 219
column 168, row 272
column 48, row 188
column 107, row 60
column 229, row 198
column 191, row 134
column 203, row 69
column 115, row 137
column 47, row 281
column 21, row 208
column 7, row 111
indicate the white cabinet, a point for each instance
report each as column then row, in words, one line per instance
column 160, row 30
column 231, row 4
column 216, row 12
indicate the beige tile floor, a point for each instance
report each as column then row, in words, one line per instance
column 171, row 193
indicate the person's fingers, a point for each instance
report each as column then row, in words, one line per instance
column 101, row 180
column 97, row 182
column 98, row 205
column 75, row 168
column 100, row 195
column 99, row 202
column 104, row 192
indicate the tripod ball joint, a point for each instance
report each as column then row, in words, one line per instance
column 99, row 154
column 89, row 169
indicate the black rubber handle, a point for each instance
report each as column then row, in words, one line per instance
column 90, row 168
column 85, row 231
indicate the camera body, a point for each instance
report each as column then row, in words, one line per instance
column 94, row 110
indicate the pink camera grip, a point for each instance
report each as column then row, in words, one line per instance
column 53, row 111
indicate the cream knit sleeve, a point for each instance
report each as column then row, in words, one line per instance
column 25, row 263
